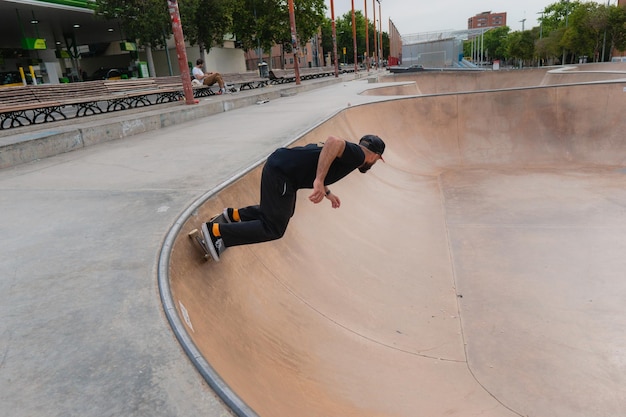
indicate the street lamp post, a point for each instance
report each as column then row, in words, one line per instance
column 540, row 60
column 367, row 39
column 375, row 55
column 608, row 4
column 179, row 38
column 566, row 19
column 380, row 30
column 354, row 38
column 294, row 41
column 332, row 16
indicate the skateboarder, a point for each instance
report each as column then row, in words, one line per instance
column 286, row 171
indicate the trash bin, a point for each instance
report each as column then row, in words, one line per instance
column 264, row 70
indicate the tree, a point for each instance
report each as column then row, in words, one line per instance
column 549, row 47
column 583, row 36
column 521, row 46
column 495, row 42
column 206, row 22
column 616, row 29
column 309, row 15
column 255, row 23
column 263, row 23
column 327, row 35
column 146, row 22
column 345, row 39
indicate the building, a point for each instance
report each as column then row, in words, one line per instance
column 52, row 41
column 486, row 20
column 311, row 55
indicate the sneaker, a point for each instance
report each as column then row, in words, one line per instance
column 231, row 215
column 214, row 244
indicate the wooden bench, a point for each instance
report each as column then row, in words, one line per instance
column 245, row 80
column 329, row 70
column 281, row 76
column 85, row 96
column 176, row 83
column 34, row 104
column 20, row 107
column 315, row 72
column 140, row 92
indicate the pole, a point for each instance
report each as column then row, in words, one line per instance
column 482, row 46
column 181, row 52
column 367, row 39
column 608, row 4
column 294, row 41
column 566, row 18
column 356, row 69
column 375, row 36
column 380, row 30
column 336, row 60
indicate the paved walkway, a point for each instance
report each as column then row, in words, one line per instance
column 83, row 332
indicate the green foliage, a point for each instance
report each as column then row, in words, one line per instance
column 567, row 28
column 616, row 28
column 520, row 45
column 255, row 22
column 263, row 23
column 574, row 27
column 143, row 21
column 495, row 42
column 206, row 22
column 344, row 32
column 549, row 46
column 555, row 16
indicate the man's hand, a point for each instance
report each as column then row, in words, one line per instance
column 319, row 192
column 334, row 200
column 333, row 148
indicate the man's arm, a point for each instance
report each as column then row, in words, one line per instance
column 198, row 74
column 333, row 148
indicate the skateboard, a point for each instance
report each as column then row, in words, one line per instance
column 196, row 235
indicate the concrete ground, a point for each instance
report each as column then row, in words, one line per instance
column 83, row 331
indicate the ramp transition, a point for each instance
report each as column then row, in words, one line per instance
column 480, row 271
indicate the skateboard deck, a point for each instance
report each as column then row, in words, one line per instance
column 196, row 235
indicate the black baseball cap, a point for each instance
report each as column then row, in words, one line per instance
column 374, row 144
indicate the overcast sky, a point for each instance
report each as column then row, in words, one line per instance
column 416, row 16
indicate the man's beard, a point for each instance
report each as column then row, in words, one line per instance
column 365, row 167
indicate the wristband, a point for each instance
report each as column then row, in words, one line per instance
column 327, row 192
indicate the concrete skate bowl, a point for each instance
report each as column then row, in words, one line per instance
column 479, row 271
column 455, row 81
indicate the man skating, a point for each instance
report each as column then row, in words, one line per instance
column 314, row 166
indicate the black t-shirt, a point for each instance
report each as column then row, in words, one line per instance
column 299, row 164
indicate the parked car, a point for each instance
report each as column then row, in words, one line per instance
column 11, row 78
column 110, row 74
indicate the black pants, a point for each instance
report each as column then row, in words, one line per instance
column 268, row 220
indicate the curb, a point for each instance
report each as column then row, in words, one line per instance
column 61, row 137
